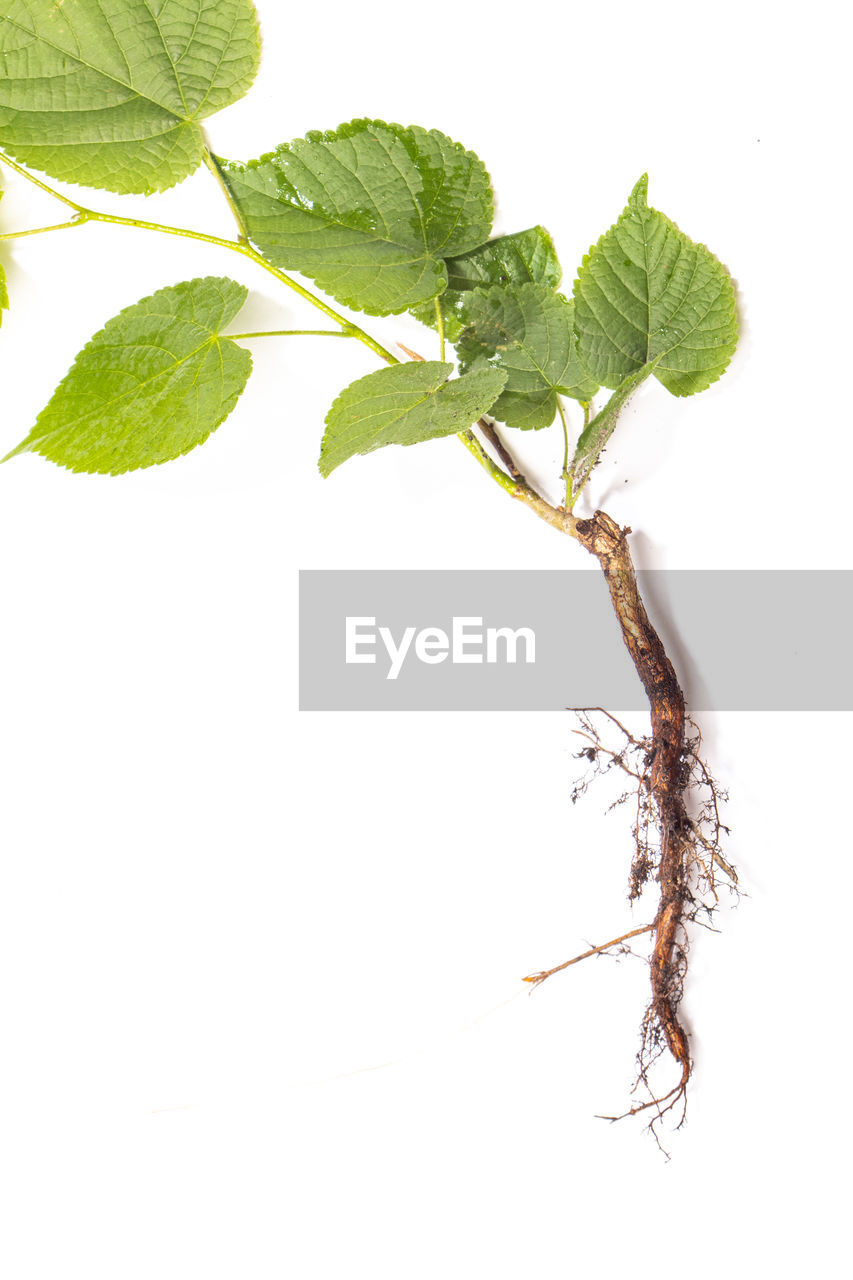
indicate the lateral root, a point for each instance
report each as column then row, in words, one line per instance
column 676, row 858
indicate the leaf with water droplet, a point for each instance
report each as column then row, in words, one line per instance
column 369, row 210
column 524, row 257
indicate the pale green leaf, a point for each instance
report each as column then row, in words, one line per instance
column 596, row 434
column 4, row 292
column 111, row 93
column 405, row 404
column 644, row 293
column 150, row 386
column 370, row 211
column 528, row 331
column 521, row 258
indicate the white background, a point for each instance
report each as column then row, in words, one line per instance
column 261, row 1002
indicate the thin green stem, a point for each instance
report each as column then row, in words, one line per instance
column 37, row 182
column 115, row 219
column 571, row 498
column 349, row 326
column 76, row 221
column 561, row 520
column 213, row 165
column 572, row 494
column 247, row 251
column 566, row 476
column 291, row 333
column 236, row 246
column 439, row 322
column 472, row 444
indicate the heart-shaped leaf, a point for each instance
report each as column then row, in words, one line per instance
column 647, row 294
column 370, row 211
column 152, row 385
column 111, row 93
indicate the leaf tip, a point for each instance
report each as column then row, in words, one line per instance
column 326, row 463
column 23, row 447
column 638, row 198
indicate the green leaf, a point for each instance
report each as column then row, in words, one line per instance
column 369, row 210
column 596, row 433
column 150, row 386
column 524, row 257
column 520, row 258
column 4, row 292
column 111, row 93
column 405, row 404
column 528, row 331
column 644, row 293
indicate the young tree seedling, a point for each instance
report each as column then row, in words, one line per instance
column 384, row 219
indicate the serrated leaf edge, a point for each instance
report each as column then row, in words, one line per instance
column 30, row 444
column 180, row 125
column 637, row 204
column 369, row 376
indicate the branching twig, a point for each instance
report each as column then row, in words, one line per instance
column 537, row 978
column 489, row 430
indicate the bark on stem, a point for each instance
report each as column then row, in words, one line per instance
column 604, row 539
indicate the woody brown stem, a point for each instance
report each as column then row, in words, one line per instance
column 604, row 539
column 489, row 431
